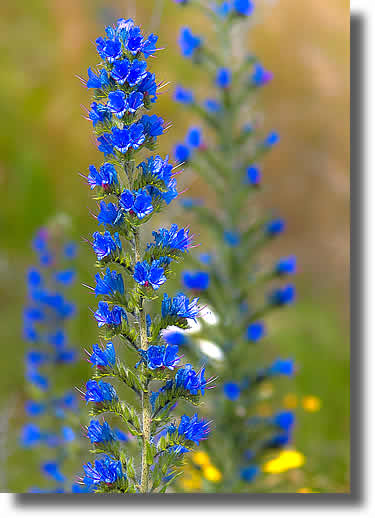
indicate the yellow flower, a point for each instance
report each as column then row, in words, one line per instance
column 192, row 482
column 290, row 401
column 311, row 403
column 201, row 458
column 264, row 409
column 212, row 474
column 288, row 459
column 305, row 490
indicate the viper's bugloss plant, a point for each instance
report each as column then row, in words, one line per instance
column 147, row 375
column 241, row 292
column 50, row 410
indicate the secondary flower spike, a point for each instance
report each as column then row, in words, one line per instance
column 132, row 356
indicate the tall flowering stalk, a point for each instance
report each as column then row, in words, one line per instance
column 146, row 370
column 242, row 294
column 51, row 411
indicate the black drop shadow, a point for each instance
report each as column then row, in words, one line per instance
column 356, row 496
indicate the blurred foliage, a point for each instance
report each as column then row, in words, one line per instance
column 44, row 144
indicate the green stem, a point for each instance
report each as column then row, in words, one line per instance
column 145, row 400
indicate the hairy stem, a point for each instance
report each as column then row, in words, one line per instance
column 146, row 405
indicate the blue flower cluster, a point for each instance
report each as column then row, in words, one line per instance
column 132, row 274
column 45, row 316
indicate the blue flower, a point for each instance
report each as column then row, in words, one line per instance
column 105, row 177
column 249, row 473
column 260, row 75
column 149, row 87
column 283, row 296
column 153, row 125
column 284, row 420
column 196, row 280
column 104, row 244
column 282, row 367
column 212, row 105
column 126, row 138
column 106, row 358
column 183, row 95
column 34, row 408
column 272, row 139
column 147, row 274
column 179, row 239
column 160, row 356
column 255, row 331
column 193, row 429
column 232, row 237
column 175, row 338
column 111, row 283
column 194, row 138
column 65, row 277
column 31, row 435
column 97, row 81
column 182, row 153
column 190, row 380
column 134, row 102
column 137, row 202
column 223, row 77
column 106, row 470
column 99, row 391
column 108, row 49
column 243, row 7
column 68, row 434
column 52, row 469
column 109, row 214
column 232, row 390
column 99, row 113
column 274, row 227
column 253, row 175
column 132, row 73
column 111, row 317
column 97, row 432
column 189, row 43
column 286, row 266
column 179, row 306
column 157, row 167
column 105, row 144
column 277, row 441
column 117, row 103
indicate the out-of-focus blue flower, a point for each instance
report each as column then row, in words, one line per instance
column 31, row 435
column 189, row 203
column 189, row 43
column 194, row 138
column 147, row 274
column 286, row 265
column 182, row 153
column 232, row 390
column 34, row 408
column 183, row 95
column 194, row 429
column 52, row 469
column 196, row 280
column 65, row 277
column 274, row 227
column 249, row 473
column 271, row 139
column 68, row 433
column 255, row 331
column 253, row 175
column 282, row 367
column 100, row 358
column 277, row 441
column 179, row 306
column 175, row 338
column 232, row 237
column 283, row 296
column 99, row 391
column 284, row 420
column 260, row 75
column 223, row 78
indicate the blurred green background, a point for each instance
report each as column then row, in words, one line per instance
column 45, row 141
